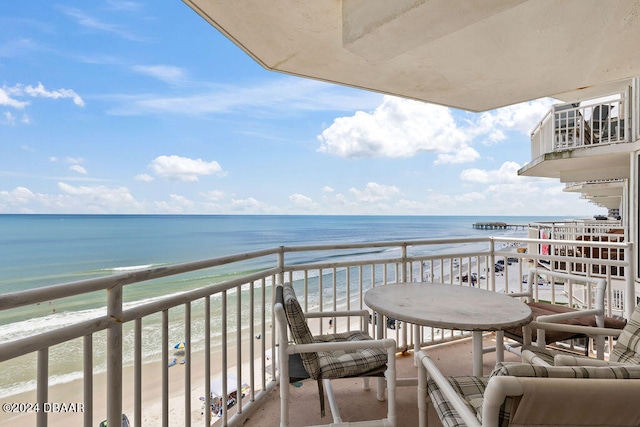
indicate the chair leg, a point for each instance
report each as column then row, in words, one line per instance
column 423, row 405
column 284, row 389
column 333, row 404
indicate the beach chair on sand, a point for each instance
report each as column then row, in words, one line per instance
column 329, row 357
column 519, row 394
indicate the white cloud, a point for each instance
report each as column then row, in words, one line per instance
column 143, row 177
column 374, row 192
column 18, row 196
column 464, row 155
column 508, row 172
column 327, row 189
column 301, row 201
column 283, row 96
column 182, row 168
column 213, row 195
column 70, row 199
column 79, row 169
column 9, row 119
column 7, row 95
column 249, row 205
column 521, row 117
column 397, row 128
column 6, row 99
column 92, row 23
column 165, row 73
column 404, row 128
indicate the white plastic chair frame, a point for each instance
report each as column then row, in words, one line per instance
column 598, row 311
column 286, row 348
column 580, row 391
column 497, row 391
column 599, row 333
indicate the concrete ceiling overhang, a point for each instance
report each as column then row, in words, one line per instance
column 604, row 193
column 472, row 55
column 584, row 164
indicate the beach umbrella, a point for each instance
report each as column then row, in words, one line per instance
column 180, row 345
column 216, row 385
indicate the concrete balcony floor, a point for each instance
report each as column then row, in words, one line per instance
column 356, row 404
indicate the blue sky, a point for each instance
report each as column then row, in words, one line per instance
column 142, row 107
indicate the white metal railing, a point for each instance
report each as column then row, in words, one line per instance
column 233, row 318
column 568, row 126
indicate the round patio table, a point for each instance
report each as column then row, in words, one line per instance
column 450, row 307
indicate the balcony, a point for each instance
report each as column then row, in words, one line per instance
column 569, row 137
column 119, row 361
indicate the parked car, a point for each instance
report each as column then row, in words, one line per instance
column 498, row 268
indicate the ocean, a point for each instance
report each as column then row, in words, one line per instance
column 43, row 250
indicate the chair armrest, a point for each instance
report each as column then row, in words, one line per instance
column 552, row 318
column 587, row 330
column 498, row 389
column 428, row 368
column 569, row 360
column 386, row 343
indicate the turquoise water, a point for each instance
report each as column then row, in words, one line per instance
column 42, row 250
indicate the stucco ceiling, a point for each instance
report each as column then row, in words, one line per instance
column 473, row 55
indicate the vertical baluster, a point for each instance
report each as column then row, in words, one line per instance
column 165, row 368
column 42, row 392
column 207, row 361
column 87, row 344
column 239, row 348
column 225, row 362
column 137, row 373
column 187, row 358
column 114, row 356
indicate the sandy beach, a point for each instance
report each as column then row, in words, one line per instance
column 72, row 393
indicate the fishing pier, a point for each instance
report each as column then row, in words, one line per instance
column 498, row 226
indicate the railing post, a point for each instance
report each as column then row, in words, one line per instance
column 87, row 347
column 281, row 266
column 491, row 274
column 406, row 277
column 630, row 294
column 114, row 357
column 42, row 391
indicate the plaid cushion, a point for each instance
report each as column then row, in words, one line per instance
column 329, row 364
column 471, row 389
column 342, row 363
column 602, row 372
column 627, row 348
column 300, row 330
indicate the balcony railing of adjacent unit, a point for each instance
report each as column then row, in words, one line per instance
column 227, row 326
column 569, row 126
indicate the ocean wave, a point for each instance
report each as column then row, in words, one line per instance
column 30, row 385
column 130, row 267
column 35, row 325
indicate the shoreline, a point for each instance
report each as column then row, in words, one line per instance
column 72, row 393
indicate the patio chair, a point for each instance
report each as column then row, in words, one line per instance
column 519, row 394
column 561, row 314
column 331, row 356
column 625, row 351
column 599, row 121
